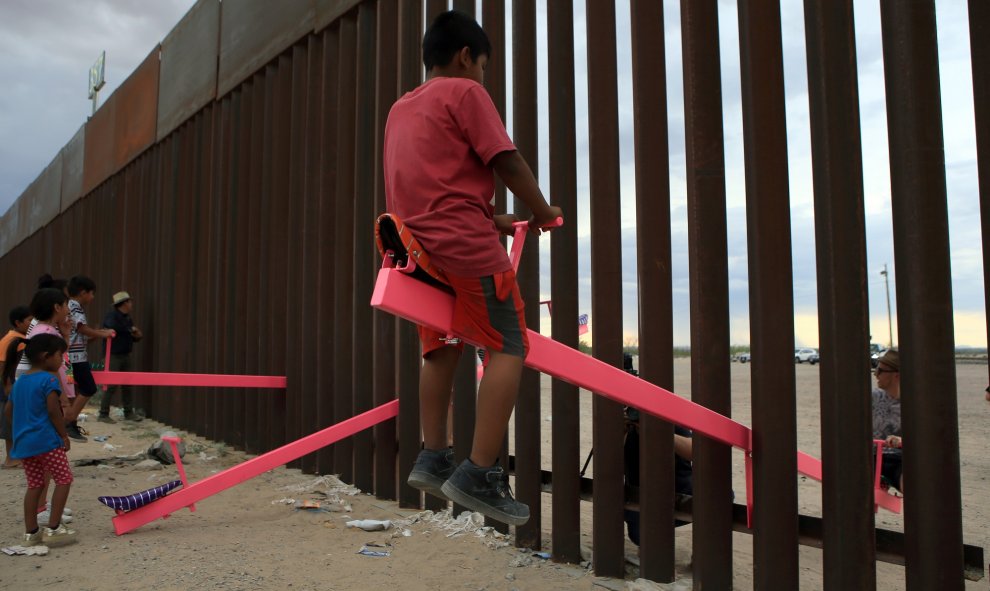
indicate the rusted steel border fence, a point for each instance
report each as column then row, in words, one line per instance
column 231, row 185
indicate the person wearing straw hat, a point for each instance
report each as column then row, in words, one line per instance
column 119, row 319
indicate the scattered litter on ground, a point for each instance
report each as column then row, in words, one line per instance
column 466, row 523
column 327, row 485
column 543, row 555
column 109, row 447
column 205, row 458
column 378, row 550
column 284, row 502
column 25, row 550
column 101, row 438
column 311, row 506
column 370, row 524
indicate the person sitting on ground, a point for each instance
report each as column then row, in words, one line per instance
column 887, row 415
column 20, row 319
column 443, row 141
column 683, row 471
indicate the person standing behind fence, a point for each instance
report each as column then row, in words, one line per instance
column 119, row 320
column 887, row 415
column 82, row 290
column 20, row 320
column 443, row 141
column 40, row 438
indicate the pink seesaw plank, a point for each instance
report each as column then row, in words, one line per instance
column 400, row 294
column 208, row 380
column 221, row 481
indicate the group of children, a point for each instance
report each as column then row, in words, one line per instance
column 46, row 382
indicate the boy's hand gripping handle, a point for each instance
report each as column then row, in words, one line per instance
column 519, row 238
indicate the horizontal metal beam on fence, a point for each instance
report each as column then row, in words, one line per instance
column 889, row 544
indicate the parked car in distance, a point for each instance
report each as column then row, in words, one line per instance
column 743, row 358
column 806, row 355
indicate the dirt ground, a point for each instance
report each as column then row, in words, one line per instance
column 252, row 536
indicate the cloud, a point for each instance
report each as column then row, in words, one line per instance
column 46, row 50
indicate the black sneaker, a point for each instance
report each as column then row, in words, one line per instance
column 431, row 469
column 105, row 419
column 130, row 415
column 485, row 490
column 75, row 434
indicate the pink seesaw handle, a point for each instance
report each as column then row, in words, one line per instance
column 519, row 238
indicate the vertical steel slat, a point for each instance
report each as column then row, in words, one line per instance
column 164, row 405
column 327, row 258
column 295, row 322
column 279, row 244
column 212, row 287
column 656, row 321
column 186, row 275
column 266, row 210
column 434, row 8
column 979, row 40
column 565, row 528
column 251, row 269
column 932, row 507
column 465, row 6
column 771, row 297
column 217, row 268
column 386, row 443
column 343, row 354
column 236, row 282
column 364, row 241
column 202, row 309
column 493, row 21
column 225, row 358
column 525, row 135
column 709, row 288
column 849, row 551
column 311, row 301
column 159, row 396
column 606, row 283
column 408, row 355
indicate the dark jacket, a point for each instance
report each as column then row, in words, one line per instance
column 123, row 343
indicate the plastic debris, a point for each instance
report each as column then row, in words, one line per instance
column 25, row 550
column 370, row 524
column 377, row 550
column 466, row 523
column 101, row 438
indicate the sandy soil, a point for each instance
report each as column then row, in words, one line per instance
column 251, row 537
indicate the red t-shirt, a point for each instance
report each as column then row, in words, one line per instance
column 439, row 140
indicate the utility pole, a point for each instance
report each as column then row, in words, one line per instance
column 890, row 325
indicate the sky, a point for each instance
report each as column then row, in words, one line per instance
column 47, row 47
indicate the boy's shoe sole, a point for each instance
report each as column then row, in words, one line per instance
column 427, row 483
column 461, row 498
column 487, row 491
column 431, row 470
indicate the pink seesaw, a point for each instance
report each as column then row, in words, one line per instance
column 400, row 294
column 105, row 377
